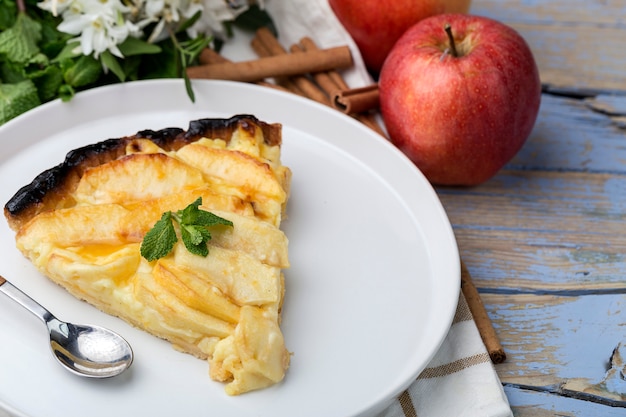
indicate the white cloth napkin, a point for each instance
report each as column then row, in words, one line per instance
column 460, row 380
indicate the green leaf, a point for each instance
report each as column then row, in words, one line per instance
column 85, row 70
column 189, row 22
column 188, row 214
column 66, row 92
column 189, row 88
column 111, row 62
column 188, row 54
column 52, row 41
column 19, row 42
column 12, row 72
column 48, row 82
column 200, row 249
column 67, row 52
column 195, row 239
column 206, row 218
column 133, row 46
column 193, row 215
column 8, row 12
column 193, row 224
column 16, row 99
column 160, row 240
column 192, row 234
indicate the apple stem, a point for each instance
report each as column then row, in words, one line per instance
column 448, row 30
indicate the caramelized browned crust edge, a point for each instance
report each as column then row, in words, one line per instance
column 52, row 188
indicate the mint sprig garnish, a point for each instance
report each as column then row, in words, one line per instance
column 193, row 224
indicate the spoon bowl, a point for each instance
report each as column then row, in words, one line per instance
column 89, row 351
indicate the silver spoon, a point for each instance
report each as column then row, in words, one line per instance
column 90, row 351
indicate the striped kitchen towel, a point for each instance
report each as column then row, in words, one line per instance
column 459, row 381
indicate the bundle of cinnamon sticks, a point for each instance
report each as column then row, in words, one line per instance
column 304, row 69
column 311, row 72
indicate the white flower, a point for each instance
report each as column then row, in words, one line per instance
column 216, row 12
column 56, row 7
column 169, row 13
column 173, row 12
column 99, row 24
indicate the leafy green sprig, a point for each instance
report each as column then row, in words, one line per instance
column 193, row 224
column 38, row 65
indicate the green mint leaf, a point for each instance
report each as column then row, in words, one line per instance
column 160, row 240
column 193, row 222
column 39, row 60
column 16, row 99
column 19, row 42
column 195, row 239
column 192, row 234
column 200, row 249
column 84, row 71
column 8, row 12
column 66, row 92
column 188, row 214
column 53, row 41
column 48, row 81
column 193, row 215
column 206, row 218
column 12, row 72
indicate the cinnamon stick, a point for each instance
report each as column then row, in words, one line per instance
column 330, row 81
column 208, row 56
column 357, row 100
column 268, row 41
column 285, row 82
column 482, row 320
column 275, row 66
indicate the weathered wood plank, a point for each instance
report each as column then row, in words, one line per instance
column 563, row 345
column 547, row 201
column 577, row 135
column 591, row 13
column 578, row 44
column 540, row 262
column 530, row 403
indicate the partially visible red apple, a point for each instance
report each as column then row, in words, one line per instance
column 376, row 25
column 460, row 118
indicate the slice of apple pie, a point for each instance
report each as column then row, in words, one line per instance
column 82, row 223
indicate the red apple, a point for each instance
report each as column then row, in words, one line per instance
column 376, row 25
column 460, row 118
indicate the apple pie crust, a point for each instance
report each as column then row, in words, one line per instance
column 81, row 223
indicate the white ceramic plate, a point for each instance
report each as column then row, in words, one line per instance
column 371, row 292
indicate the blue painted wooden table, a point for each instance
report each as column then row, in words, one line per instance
column 545, row 240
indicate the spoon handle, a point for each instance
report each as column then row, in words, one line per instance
column 24, row 300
